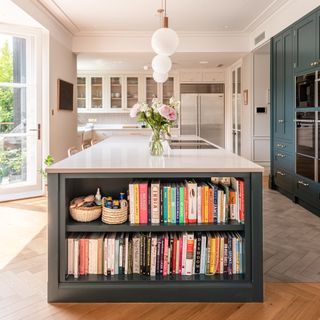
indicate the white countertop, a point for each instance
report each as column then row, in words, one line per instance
column 121, row 127
column 131, row 154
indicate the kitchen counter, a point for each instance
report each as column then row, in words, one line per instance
column 131, row 154
column 121, row 127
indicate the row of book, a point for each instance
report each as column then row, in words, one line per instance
column 154, row 254
column 219, row 201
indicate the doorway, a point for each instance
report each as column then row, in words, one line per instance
column 20, row 119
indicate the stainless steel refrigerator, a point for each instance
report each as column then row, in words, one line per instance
column 203, row 115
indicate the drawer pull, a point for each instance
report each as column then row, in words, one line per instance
column 280, row 155
column 303, row 183
column 279, row 145
column 281, row 121
column 281, row 173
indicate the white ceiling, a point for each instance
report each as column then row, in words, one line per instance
column 140, row 15
column 136, row 61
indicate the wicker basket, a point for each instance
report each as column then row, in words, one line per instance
column 114, row 216
column 83, row 214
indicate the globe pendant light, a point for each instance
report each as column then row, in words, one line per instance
column 161, row 64
column 164, row 42
column 160, row 77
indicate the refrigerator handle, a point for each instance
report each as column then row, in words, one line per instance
column 199, row 116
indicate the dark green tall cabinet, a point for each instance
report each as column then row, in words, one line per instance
column 294, row 52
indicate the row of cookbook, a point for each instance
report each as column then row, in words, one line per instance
column 154, row 254
column 218, row 201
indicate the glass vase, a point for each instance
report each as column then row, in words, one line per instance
column 155, row 143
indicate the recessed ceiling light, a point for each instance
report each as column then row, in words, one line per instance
column 204, row 62
column 219, row 65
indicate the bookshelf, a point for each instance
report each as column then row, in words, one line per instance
column 63, row 187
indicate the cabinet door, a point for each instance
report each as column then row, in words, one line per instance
column 278, row 87
column 288, row 86
column 305, row 43
column 190, row 76
column 209, row 76
column 81, row 92
column 96, row 92
column 167, row 90
column 132, row 91
column 115, row 93
column 151, row 90
column 318, row 38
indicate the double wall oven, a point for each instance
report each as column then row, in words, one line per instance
column 308, row 125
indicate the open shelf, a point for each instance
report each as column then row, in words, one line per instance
column 100, row 278
column 99, row 226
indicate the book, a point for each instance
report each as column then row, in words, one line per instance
column 76, row 257
column 198, row 253
column 186, row 204
column 203, row 254
column 189, row 254
column 192, row 201
column 241, row 201
column 153, row 263
column 173, row 200
column 155, row 201
column 199, row 204
column 184, row 253
column 70, row 248
column 182, row 203
column 126, row 265
column 131, row 203
column 136, row 254
column 143, row 202
column 165, row 203
column 136, row 202
column 99, row 248
column 111, row 247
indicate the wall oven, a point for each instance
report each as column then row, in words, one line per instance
column 305, row 90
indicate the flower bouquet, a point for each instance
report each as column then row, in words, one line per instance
column 159, row 117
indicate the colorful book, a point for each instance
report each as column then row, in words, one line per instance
column 192, row 201
column 173, row 199
column 143, row 202
column 189, row 254
column 155, row 201
column 182, row 203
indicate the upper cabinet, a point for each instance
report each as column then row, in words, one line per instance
column 115, row 93
column 81, row 92
column 306, row 43
column 96, row 84
column 168, row 90
column 202, row 76
column 132, row 91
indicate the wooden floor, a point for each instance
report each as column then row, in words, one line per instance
column 291, row 254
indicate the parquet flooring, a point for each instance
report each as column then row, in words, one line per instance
column 291, row 254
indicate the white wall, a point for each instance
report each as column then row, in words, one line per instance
column 261, row 121
column 61, row 127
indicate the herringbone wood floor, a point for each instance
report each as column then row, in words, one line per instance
column 291, row 253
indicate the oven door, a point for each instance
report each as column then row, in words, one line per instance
column 305, row 90
column 305, row 133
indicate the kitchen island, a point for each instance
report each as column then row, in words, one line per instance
column 111, row 165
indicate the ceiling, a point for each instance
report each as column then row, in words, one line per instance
column 140, row 15
column 136, row 61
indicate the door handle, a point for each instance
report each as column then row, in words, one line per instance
column 281, row 173
column 38, row 131
column 303, row 183
column 280, row 155
column 281, row 121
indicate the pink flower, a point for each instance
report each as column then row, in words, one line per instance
column 134, row 110
column 168, row 112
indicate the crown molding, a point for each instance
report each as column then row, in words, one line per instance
column 51, row 7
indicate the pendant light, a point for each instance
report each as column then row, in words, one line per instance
column 164, row 42
column 160, row 77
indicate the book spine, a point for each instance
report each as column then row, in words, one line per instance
column 208, row 254
column 230, row 270
column 192, row 203
column 136, row 255
column 136, row 204
column 178, row 248
column 158, row 258
column 204, row 205
column 155, row 203
column 186, row 205
column 233, row 205
column 173, row 214
column 70, row 255
column 225, row 256
column 165, row 204
column 189, row 254
column 212, row 265
column 210, row 205
column 241, row 191
column 86, row 261
column 161, row 204
column 180, row 268
column 149, row 204
column 184, row 254
column 162, row 256
column 174, row 255
column 76, row 259
column 203, row 254
column 199, row 204
column 215, row 204
column 181, row 211
column 143, row 203
column 217, row 259
column 121, row 265
column 142, row 254
column 99, row 256
column 81, row 257
column 148, row 262
column 198, row 254
column 131, row 203
column 153, row 256
column 165, row 256
column 177, row 204
column 169, row 204
column 126, row 266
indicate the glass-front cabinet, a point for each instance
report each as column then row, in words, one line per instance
column 81, row 92
column 167, row 90
column 116, row 93
column 132, row 91
column 152, row 90
column 96, row 92
column 161, row 91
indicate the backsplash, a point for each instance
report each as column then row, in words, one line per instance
column 105, row 118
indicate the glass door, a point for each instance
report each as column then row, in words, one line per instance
column 115, row 92
column 81, row 92
column 96, row 93
column 167, row 91
column 151, row 90
column 132, row 91
column 20, row 144
column 236, row 110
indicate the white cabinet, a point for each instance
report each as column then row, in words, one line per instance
column 202, row 76
column 163, row 91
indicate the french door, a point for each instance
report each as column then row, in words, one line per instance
column 20, row 139
column 236, row 110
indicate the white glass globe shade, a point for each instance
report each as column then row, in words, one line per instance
column 161, row 64
column 160, row 77
column 164, row 41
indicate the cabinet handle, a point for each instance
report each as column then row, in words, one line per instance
column 281, row 173
column 303, row 183
column 280, row 121
column 280, row 155
column 312, row 64
column 279, row 145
